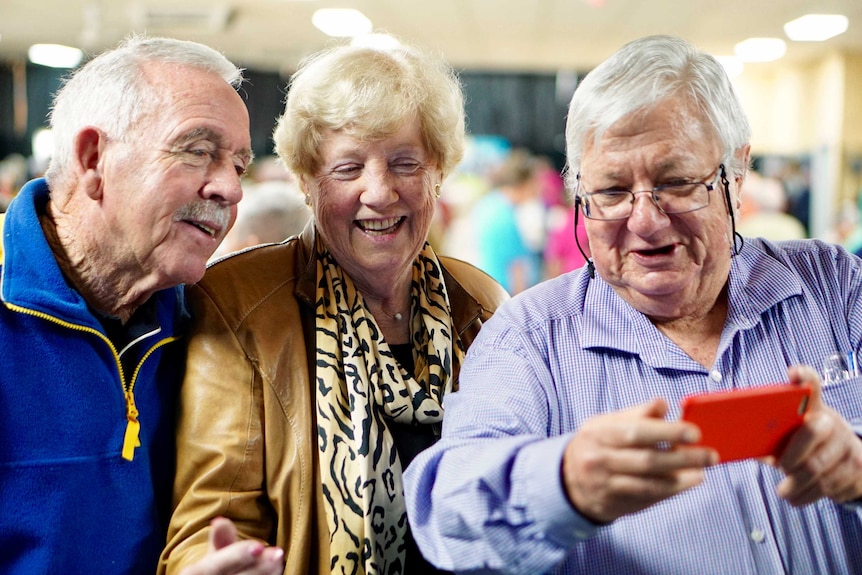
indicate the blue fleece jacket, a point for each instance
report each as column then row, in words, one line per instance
column 70, row 502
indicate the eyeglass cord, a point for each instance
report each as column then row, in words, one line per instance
column 591, row 267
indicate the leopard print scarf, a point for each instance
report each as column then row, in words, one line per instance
column 360, row 386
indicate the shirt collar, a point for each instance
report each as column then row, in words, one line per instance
column 758, row 282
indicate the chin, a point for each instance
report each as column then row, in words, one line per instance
column 190, row 273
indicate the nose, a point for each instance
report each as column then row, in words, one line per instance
column 223, row 183
column 379, row 190
column 645, row 213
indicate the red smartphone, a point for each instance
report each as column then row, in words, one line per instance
column 745, row 423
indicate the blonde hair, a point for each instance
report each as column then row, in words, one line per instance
column 368, row 93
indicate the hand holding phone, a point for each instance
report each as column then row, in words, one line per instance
column 744, row 423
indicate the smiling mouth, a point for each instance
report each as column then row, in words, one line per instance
column 380, row 227
column 663, row 251
column 210, row 231
column 207, row 216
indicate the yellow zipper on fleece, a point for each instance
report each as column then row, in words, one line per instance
column 131, row 439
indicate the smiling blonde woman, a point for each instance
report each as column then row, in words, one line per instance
column 318, row 366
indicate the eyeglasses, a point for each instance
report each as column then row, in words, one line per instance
column 669, row 198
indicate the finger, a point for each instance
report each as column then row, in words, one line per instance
column 839, row 487
column 806, row 441
column 769, row 460
column 642, row 426
column 222, row 533
column 801, row 497
column 654, row 463
column 793, row 486
column 824, row 437
column 656, row 408
column 653, row 432
column 624, row 494
column 271, row 562
column 806, row 375
column 833, row 464
column 801, row 444
column 241, row 558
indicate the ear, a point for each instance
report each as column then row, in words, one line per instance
column 88, row 149
column 743, row 155
column 304, row 186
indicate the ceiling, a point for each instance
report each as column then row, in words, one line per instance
column 512, row 35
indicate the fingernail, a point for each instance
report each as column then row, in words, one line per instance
column 690, row 436
column 256, row 549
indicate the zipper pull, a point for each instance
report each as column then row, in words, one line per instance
column 133, row 427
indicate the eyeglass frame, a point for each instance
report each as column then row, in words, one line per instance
column 722, row 176
column 582, row 200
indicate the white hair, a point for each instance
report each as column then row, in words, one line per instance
column 111, row 93
column 644, row 73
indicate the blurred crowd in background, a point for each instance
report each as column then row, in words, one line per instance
column 505, row 210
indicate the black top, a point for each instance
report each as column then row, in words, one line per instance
column 143, row 321
column 409, row 441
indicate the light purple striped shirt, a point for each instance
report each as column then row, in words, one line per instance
column 488, row 497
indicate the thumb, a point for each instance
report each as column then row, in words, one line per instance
column 656, row 408
column 805, row 375
column 222, row 533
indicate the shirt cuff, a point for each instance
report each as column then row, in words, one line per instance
column 545, row 496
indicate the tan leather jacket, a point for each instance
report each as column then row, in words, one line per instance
column 247, row 441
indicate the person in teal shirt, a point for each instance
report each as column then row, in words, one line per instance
column 500, row 240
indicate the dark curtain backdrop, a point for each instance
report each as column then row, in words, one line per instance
column 523, row 108
column 526, row 109
column 32, row 101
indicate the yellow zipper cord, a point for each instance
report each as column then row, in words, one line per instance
column 131, row 438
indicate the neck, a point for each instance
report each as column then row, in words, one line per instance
column 698, row 336
column 392, row 314
column 86, row 265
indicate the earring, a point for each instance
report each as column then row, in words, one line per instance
column 308, row 199
column 436, row 190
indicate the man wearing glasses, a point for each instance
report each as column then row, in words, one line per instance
column 564, row 452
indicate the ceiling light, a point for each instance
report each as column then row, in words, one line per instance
column 55, row 55
column 378, row 41
column 760, row 49
column 341, row 22
column 816, row 27
column 732, row 65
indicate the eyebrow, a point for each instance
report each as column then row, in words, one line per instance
column 244, row 154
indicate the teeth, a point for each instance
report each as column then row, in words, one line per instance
column 210, row 231
column 378, row 225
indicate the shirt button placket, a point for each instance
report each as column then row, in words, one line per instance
column 757, row 535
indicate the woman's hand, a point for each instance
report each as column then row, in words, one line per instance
column 227, row 555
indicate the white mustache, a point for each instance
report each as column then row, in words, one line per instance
column 205, row 211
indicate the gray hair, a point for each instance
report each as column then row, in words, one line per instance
column 642, row 74
column 111, row 93
column 368, row 93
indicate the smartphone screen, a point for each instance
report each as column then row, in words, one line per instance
column 753, row 422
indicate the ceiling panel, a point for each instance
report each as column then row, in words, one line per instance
column 472, row 34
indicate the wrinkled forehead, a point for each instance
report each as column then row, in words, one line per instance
column 673, row 127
